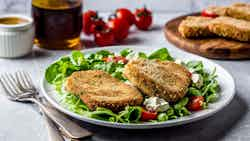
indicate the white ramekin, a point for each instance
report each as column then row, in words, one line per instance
column 16, row 40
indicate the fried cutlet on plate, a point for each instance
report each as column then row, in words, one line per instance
column 97, row 88
column 164, row 79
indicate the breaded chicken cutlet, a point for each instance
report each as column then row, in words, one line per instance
column 236, row 10
column 195, row 26
column 164, row 79
column 218, row 10
column 231, row 28
column 239, row 11
column 97, row 88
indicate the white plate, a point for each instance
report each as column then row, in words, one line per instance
column 225, row 80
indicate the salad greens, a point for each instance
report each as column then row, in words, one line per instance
column 57, row 72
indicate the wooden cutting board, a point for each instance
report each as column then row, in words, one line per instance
column 216, row 48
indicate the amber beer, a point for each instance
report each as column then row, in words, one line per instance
column 58, row 23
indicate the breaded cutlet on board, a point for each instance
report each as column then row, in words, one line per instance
column 231, row 28
column 195, row 26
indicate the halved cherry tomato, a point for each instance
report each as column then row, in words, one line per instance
column 195, row 103
column 107, row 59
column 124, row 13
column 143, row 18
column 98, row 25
column 189, row 74
column 116, row 59
column 147, row 115
column 120, row 59
column 206, row 13
column 120, row 28
column 104, row 38
column 88, row 18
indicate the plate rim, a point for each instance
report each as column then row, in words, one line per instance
column 150, row 125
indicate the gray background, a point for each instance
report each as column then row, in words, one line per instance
column 21, row 122
column 108, row 5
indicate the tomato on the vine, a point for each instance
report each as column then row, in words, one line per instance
column 195, row 103
column 125, row 14
column 97, row 25
column 104, row 38
column 120, row 28
column 88, row 18
column 143, row 18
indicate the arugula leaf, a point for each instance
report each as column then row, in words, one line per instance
column 194, row 91
column 161, row 54
column 103, row 114
column 180, row 108
column 59, row 70
column 195, row 66
column 130, row 114
column 142, row 55
column 78, row 59
column 162, row 117
column 126, row 52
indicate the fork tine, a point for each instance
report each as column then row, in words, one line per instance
column 13, row 83
column 21, row 80
column 29, row 80
column 7, row 85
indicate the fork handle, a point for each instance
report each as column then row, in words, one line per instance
column 67, row 126
column 53, row 133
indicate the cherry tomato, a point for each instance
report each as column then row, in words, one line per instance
column 120, row 59
column 124, row 13
column 120, row 28
column 88, row 18
column 116, row 59
column 195, row 103
column 104, row 38
column 97, row 25
column 206, row 13
column 190, row 74
column 146, row 115
column 107, row 59
column 143, row 18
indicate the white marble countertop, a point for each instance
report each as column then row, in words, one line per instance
column 21, row 122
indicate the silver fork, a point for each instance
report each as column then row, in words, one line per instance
column 19, row 87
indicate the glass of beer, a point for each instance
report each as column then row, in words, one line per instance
column 58, row 23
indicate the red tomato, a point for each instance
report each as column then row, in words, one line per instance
column 120, row 59
column 88, row 18
column 97, row 25
column 107, row 59
column 206, row 13
column 104, row 38
column 189, row 74
column 116, row 59
column 146, row 115
column 143, row 18
column 123, row 13
column 195, row 103
column 120, row 28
